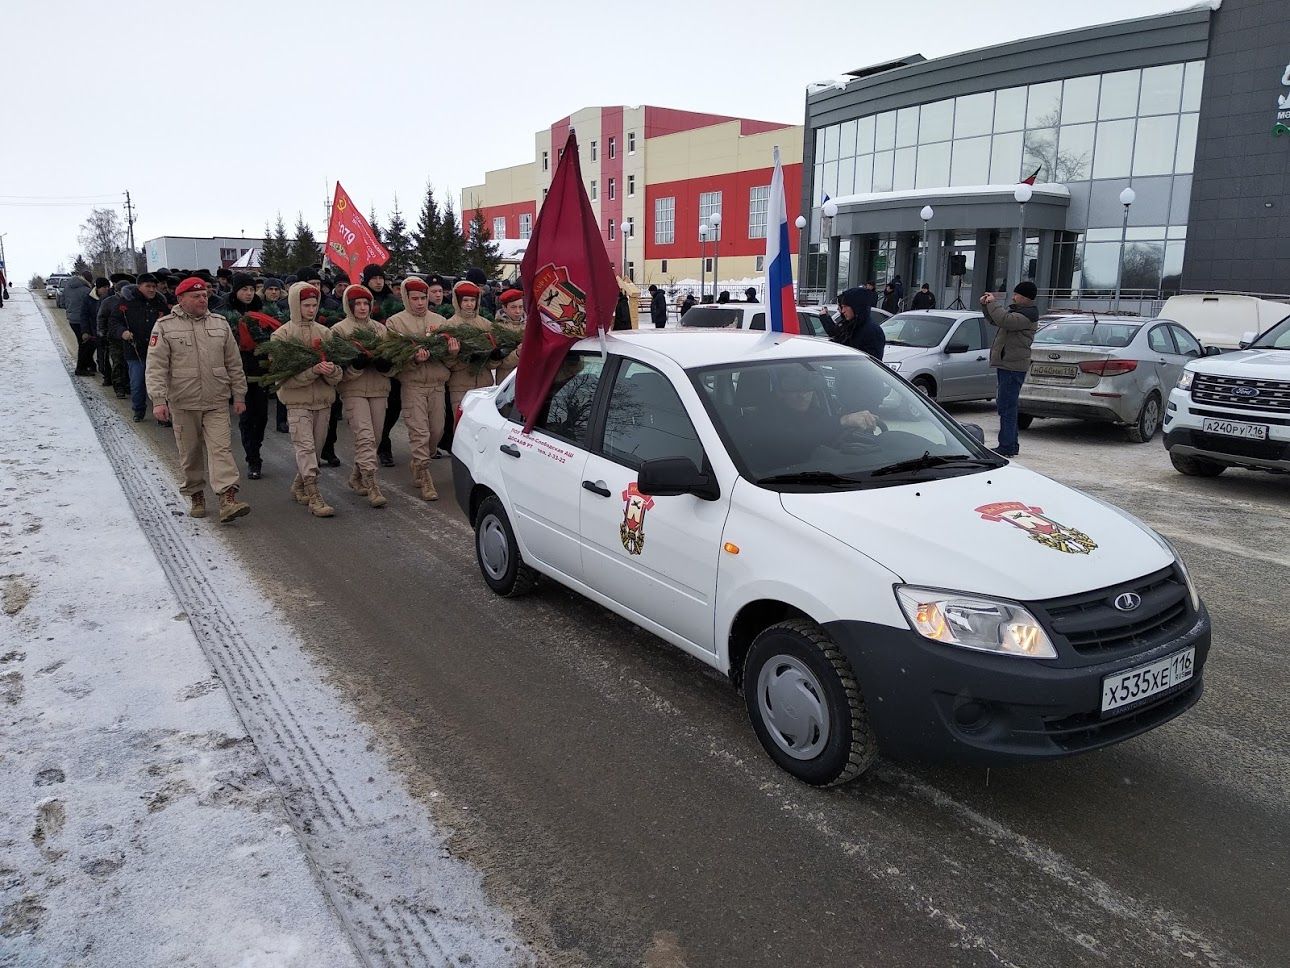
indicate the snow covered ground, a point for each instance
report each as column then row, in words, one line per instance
column 178, row 786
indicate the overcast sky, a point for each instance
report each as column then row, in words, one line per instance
column 217, row 120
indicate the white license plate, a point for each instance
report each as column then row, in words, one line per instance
column 1062, row 371
column 1234, row 428
column 1134, row 685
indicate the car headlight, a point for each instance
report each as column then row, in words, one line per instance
column 895, row 366
column 974, row 622
column 1184, row 381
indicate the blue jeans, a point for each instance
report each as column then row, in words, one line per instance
column 138, row 390
column 1006, row 398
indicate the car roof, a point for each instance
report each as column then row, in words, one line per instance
column 1087, row 318
column 956, row 313
column 689, row 348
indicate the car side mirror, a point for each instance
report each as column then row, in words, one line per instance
column 975, row 432
column 1247, row 338
column 957, row 348
column 1211, row 351
column 672, row 476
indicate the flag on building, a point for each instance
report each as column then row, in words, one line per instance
column 1031, row 179
column 351, row 243
column 569, row 286
column 779, row 269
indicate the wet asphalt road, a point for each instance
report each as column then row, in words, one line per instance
column 617, row 800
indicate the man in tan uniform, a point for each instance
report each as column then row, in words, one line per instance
column 193, row 368
column 422, row 382
column 364, row 390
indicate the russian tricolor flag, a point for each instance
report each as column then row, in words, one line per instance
column 779, row 268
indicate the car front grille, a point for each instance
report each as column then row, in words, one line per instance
column 1266, row 396
column 1092, row 626
column 1239, row 446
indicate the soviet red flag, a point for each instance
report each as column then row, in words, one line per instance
column 569, row 286
column 351, row 243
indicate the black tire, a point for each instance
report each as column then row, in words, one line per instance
column 1149, row 420
column 1024, row 420
column 926, row 386
column 498, row 555
column 1195, row 466
column 825, row 757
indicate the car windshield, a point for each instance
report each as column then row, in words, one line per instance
column 1088, row 332
column 909, row 329
column 1277, row 338
column 712, row 317
column 835, row 422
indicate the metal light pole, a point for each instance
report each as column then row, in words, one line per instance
column 1126, row 199
column 799, row 223
column 926, row 215
column 715, row 219
column 830, row 286
column 1022, row 194
column 703, row 259
column 627, row 232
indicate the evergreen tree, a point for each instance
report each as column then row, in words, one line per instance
column 398, row 244
column 80, row 265
column 450, row 252
column 481, row 250
column 425, row 237
column 376, row 226
column 275, row 257
column 304, row 247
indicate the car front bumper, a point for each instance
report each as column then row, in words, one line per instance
column 1079, row 402
column 932, row 702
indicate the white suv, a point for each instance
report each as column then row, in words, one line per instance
column 1233, row 410
column 865, row 571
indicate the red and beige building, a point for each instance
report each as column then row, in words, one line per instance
column 660, row 172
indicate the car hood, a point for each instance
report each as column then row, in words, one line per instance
column 897, row 354
column 981, row 533
column 1255, row 364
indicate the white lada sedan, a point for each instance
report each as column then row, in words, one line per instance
column 865, row 571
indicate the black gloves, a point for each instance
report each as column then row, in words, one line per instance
column 359, row 364
column 382, row 365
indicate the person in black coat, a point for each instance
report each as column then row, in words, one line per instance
column 856, row 327
column 657, row 307
column 923, row 299
column 131, row 322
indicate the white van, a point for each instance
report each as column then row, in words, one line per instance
column 1222, row 320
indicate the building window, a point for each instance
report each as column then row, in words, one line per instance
column 544, row 191
column 546, row 161
column 595, row 192
column 761, row 264
column 499, row 227
column 664, row 221
column 526, row 225
column 631, row 142
column 631, row 186
column 662, row 265
column 709, row 203
column 612, row 232
column 613, row 148
column 594, row 153
column 561, row 157
column 758, row 203
column 631, row 272
column 613, row 189
column 707, row 265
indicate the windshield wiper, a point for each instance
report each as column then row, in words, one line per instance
column 896, row 342
column 827, row 478
column 929, row 460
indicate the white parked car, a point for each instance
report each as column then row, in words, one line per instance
column 866, row 572
column 739, row 315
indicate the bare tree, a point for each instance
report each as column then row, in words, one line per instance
column 1041, row 149
column 102, row 238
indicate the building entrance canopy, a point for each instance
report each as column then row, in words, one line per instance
column 966, row 207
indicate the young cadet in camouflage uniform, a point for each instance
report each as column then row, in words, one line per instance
column 364, row 389
column 193, row 367
column 467, row 376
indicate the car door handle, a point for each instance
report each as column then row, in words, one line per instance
column 509, row 450
column 596, row 487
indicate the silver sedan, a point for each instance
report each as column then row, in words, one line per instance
column 1115, row 369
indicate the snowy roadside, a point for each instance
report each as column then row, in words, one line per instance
column 177, row 783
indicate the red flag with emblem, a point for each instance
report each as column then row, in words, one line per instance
column 569, row 286
column 351, row 243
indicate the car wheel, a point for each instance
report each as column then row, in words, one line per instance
column 498, row 554
column 1195, row 466
column 1148, row 421
column 925, row 386
column 1024, row 420
column 805, row 704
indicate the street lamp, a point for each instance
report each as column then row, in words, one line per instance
column 830, row 286
column 1126, row 199
column 926, row 215
column 1022, row 194
column 703, row 259
column 715, row 219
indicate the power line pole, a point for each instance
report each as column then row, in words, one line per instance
column 129, row 222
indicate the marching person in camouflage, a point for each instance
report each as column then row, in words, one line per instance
column 364, row 389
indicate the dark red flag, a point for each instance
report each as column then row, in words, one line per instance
column 351, row 243
column 569, row 286
column 1031, row 179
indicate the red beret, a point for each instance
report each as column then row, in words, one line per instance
column 356, row 292
column 191, row 284
column 465, row 288
column 510, row 295
column 415, row 284
column 309, row 292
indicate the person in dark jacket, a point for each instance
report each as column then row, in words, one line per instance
column 923, row 299
column 750, row 295
column 898, row 286
column 86, row 351
column 1010, row 356
column 118, row 376
column 384, row 302
column 250, row 332
column 132, row 322
column 622, row 312
column 76, row 293
column 724, row 297
column 856, row 328
column 890, row 301
column 657, row 307
column 687, row 303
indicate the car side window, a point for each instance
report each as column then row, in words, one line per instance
column 646, row 419
column 1188, row 345
column 810, row 324
column 1159, row 341
column 567, row 411
column 758, row 321
column 969, row 332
